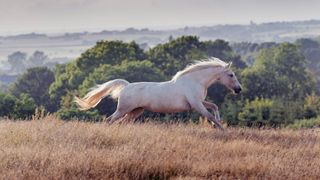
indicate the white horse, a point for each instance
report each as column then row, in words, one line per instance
column 186, row 90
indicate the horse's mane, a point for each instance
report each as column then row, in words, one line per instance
column 200, row 64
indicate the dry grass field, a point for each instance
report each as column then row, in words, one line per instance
column 53, row 149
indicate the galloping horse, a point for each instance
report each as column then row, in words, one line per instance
column 186, row 90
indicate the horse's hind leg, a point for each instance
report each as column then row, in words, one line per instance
column 133, row 115
column 138, row 112
column 123, row 107
column 116, row 115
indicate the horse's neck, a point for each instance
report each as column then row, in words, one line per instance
column 205, row 77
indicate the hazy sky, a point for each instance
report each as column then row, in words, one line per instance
column 74, row 15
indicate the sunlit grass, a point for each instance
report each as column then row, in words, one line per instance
column 54, row 149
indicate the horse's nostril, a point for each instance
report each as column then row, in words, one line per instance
column 237, row 90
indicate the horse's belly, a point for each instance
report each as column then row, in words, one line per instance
column 156, row 97
column 167, row 107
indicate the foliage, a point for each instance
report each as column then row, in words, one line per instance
column 280, row 72
column 263, row 112
column 256, row 113
column 249, row 51
column 312, row 106
column 277, row 86
column 24, row 107
column 69, row 77
column 17, row 61
column 178, row 53
column 108, row 52
column 37, row 59
column 7, row 104
column 285, row 111
column 231, row 108
column 311, row 50
column 74, row 113
column 305, row 123
column 174, row 55
column 35, row 82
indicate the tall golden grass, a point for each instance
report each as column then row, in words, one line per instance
column 54, row 149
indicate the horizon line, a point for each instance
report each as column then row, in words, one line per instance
column 61, row 31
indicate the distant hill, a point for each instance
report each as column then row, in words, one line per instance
column 70, row 45
column 273, row 31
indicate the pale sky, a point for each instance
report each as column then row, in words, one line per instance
column 18, row 16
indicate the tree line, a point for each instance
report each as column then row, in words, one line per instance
column 279, row 86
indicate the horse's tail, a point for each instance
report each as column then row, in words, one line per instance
column 93, row 97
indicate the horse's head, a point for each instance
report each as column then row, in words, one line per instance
column 229, row 79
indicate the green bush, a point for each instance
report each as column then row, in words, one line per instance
column 7, row 103
column 24, row 107
column 312, row 106
column 305, row 123
column 256, row 112
column 76, row 114
column 284, row 112
column 270, row 112
column 18, row 108
column 230, row 109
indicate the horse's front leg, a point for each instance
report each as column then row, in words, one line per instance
column 214, row 108
column 198, row 106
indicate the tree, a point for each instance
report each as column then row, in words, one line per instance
column 72, row 75
column 218, row 48
column 262, row 112
column 248, row 51
column 24, row 108
column 305, row 44
column 37, row 59
column 175, row 55
column 17, row 61
column 256, row 113
column 312, row 106
column 35, row 82
column 7, row 103
column 109, row 52
column 311, row 50
column 278, row 72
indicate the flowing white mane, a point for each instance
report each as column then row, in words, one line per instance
column 201, row 64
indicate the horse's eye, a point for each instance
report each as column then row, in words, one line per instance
column 230, row 75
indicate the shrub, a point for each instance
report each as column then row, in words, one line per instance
column 24, row 107
column 256, row 112
column 230, row 110
column 76, row 114
column 284, row 112
column 305, row 123
column 312, row 106
column 7, row 103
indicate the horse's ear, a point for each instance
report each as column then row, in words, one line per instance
column 229, row 65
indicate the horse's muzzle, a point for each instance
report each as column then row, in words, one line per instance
column 237, row 90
